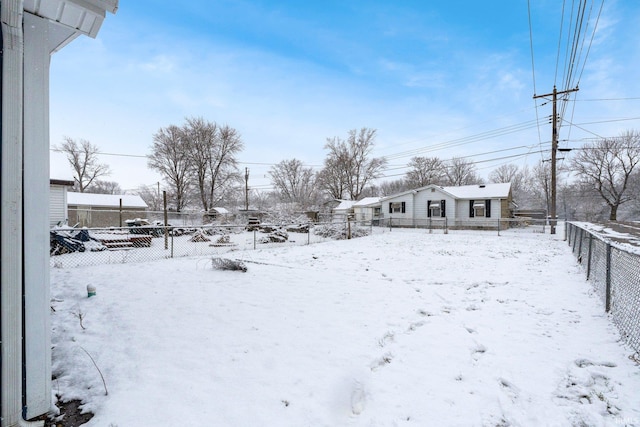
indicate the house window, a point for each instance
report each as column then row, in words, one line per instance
column 480, row 208
column 436, row 208
column 397, row 207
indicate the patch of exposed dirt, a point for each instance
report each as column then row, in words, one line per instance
column 70, row 415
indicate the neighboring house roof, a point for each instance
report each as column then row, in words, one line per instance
column 344, row 205
column 105, row 200
column 367, row 202
column 221, row 211
column 63, row 182
column 482, row 191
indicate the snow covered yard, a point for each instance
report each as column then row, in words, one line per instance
column 399, row 328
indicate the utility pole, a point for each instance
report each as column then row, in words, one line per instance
column 246, row 189
column 554, row 149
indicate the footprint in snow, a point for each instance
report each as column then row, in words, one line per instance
column 358, row 399
column 477, row 352
column 583, row 363
column 382, row 361
column 509, row 389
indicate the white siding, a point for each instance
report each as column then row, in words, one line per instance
column 57, row 204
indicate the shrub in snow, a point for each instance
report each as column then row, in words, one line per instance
column 338, row 231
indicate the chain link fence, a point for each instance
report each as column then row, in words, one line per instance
column 443, row 225
column 146, row 240
column 139, row 242
column 614, row 273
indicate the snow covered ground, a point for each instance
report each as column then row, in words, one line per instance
column 402, row 328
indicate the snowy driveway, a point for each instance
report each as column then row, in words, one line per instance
column 400, row 328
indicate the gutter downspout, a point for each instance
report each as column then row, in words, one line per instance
column 11, row 226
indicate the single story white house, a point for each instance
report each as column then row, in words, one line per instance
column 103, row 210
column 468, row 206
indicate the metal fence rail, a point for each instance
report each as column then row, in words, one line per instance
column 615, row 276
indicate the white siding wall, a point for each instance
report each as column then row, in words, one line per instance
column 408, row 213
column 464, row 220
column 423, row 198
column 57, row 204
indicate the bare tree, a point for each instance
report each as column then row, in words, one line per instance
column 169, row 157
column 461, row 172
column 349, row 168
column 517, row 177
column 83, row 158
column 212, row 154
column 104, row 187
column 633, row 209
column 607, row 165
column 294, row 182
column 540, row 185
column 332, row 178
column 388, row 188
column 151, row 196
column 425, row 171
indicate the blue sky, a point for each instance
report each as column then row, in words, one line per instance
column 441, row 79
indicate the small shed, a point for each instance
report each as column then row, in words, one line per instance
column 216, row 214
column 103, row 210
column 58, row 200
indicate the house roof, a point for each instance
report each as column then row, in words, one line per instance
column 221, row 211
column 482, row 191
column 105, row 200
column 62, row 182
column 84, row 16
column 344, row 205
column 367, row 201
column 485, row 191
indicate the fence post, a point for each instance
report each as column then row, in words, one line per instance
column 308, row 233
column 166, row 221
column 389, row 223
column 446, row 225
column 254, row 239
column 580, row 244
column 498, row 226
column 589, row 256
column 172, row 246
column 608, row 281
